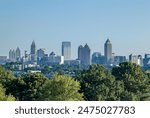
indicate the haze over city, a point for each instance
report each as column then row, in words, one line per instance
column 125, row 23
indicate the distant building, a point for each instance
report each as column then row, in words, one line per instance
column 14, row 55
column 97, row 58
column 25, row 58
column 108, row 51
column 137, row 59
column 33, row 52
column 84, row 55
column 146, row 60
column 55, row 59
column 40, row 54
column 18, row 54
column 80, row 49
column 10, row 55
column 3, row 59
column 66, row 50
column 52, row 56
column 45, row 59
column 59, row 60
column 119, row 59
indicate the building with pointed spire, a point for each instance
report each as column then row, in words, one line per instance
column 108, row 51
column 33, row 52
column 18, row 54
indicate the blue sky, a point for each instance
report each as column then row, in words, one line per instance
column 49, row 22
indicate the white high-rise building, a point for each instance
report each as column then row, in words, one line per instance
column 66, row 50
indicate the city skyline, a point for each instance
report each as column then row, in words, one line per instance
column 125, row 23
column 28, row 51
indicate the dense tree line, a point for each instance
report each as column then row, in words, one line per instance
column 127, row 82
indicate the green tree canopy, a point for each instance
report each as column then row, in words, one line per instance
column 61, row 88
column 5, row 76
column 97, row 83
column 28, row 87
column 136, row 83
column 3, row 96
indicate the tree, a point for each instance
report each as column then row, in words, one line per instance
column 3, row 96
column 28, row 87
column 61, row 88
column 5, row 76
column 136, row 83
column 97, row 83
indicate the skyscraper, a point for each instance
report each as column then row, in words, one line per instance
column 10, row 55
column 80, row 48
column 66, row 50
column 13, row 55
column 33, row 52
column 108, row 51
column 87, row 55
column 18, row 54
column 84, row 55
column 40, row 54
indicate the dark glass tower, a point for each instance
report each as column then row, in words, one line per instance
column 108, row 51
column 84, row 55
column 33, row 52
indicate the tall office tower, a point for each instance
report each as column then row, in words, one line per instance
column 108, row 51
column 80, row 48
column 52, row 56
column 10, row 55
column 18, row 54
column 146, row 60
column 40, row 54
column 33, row 52
column 66, row 50
column 87, row 55
column 13, row 55
column 84, row 55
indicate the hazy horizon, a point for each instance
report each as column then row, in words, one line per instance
column 49, row 22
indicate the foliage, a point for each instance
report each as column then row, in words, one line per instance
column 62, row 69
column 5, row 76
column 28, row 87
column 97, row 83
column 61, row 88
column 127, row 82
column 3, row 96
column 136, row 83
